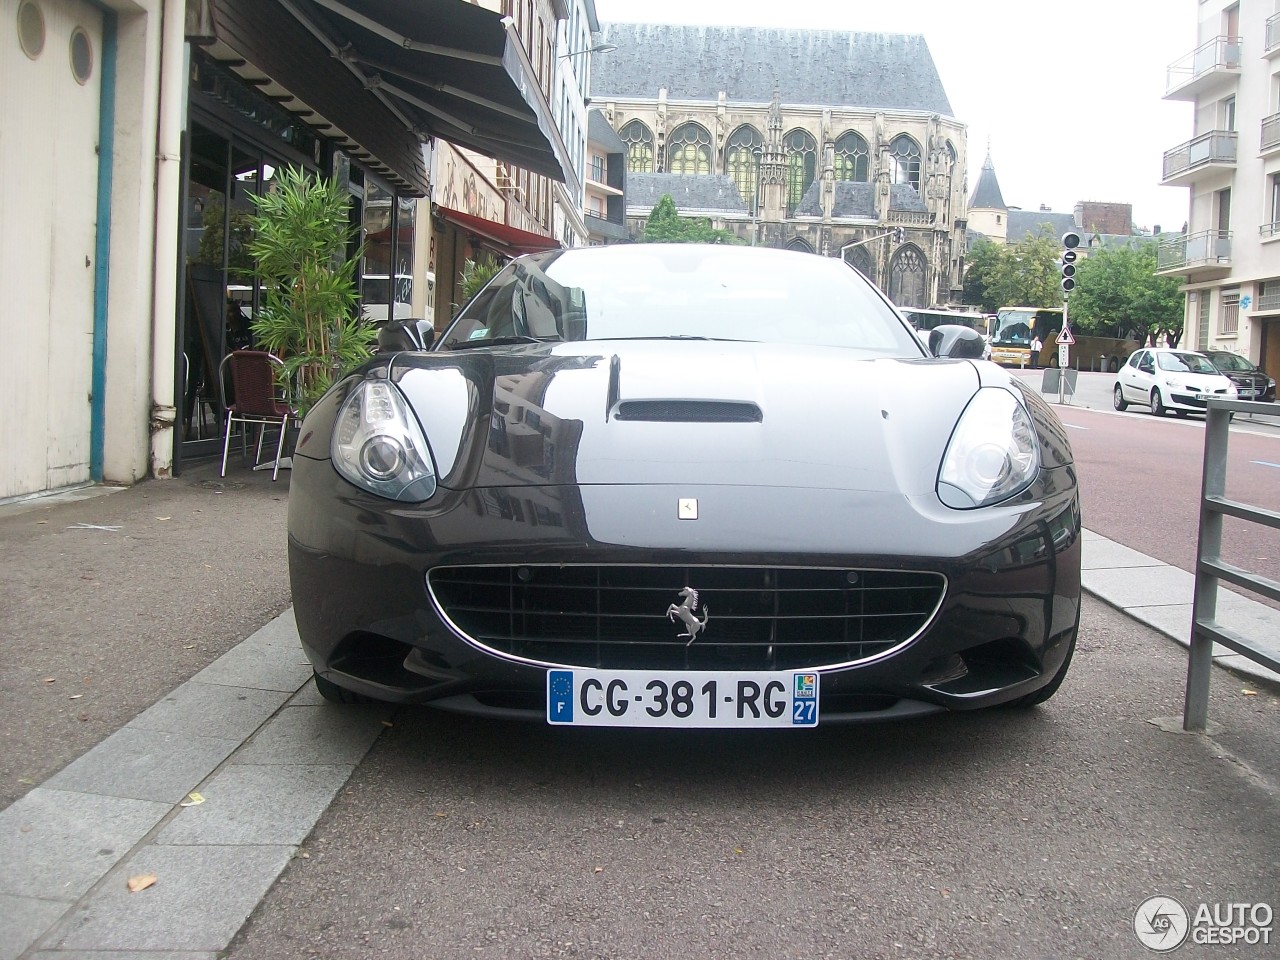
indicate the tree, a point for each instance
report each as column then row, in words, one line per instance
column 665, row 225
column 1119, row 294
column 979, row 276
column 1023, row 274
column 300, row 237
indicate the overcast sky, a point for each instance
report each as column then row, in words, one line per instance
column 1068, row 93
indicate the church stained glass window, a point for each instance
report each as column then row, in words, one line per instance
column 689, row 149
column 907, row 277
column 904, row 160
column 639, row 141
column 852, row 158
column 802, row 165
column 742, row 162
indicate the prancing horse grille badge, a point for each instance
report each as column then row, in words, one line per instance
column 693, row 626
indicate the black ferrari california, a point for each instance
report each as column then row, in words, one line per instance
column 685, row 486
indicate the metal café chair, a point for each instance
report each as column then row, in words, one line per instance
column 258, row 400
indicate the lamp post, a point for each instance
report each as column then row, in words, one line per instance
column 598, row 48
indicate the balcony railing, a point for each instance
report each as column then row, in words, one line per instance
column 1272, row 43
column 1217, row 146
column 1270, row 132
column 1219, row 54
column 1206, row 248
column 916, row 217
column 1268, row 230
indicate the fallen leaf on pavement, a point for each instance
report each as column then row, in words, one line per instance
column 599, row 869
column 50, row 679
column 1249, row 693
column 141, row 882
column 193, row 800
column 441, row 814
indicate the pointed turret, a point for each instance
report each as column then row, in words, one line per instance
column 988, row 213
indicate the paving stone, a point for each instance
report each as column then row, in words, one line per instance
column 1140, row 586
column 1104, row 554
column 23, row 920
column 270, row 659
column 247, row 804
column 144, row 765
column 56, row 845
column 201, row 897
column 125, row 955
column 326, row 734
column 211, row 710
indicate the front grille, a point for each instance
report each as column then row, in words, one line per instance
column 616, row 617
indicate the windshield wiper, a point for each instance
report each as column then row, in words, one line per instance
column 503, row 341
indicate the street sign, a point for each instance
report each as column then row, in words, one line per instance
column 1065, row 338
column 1064, row 355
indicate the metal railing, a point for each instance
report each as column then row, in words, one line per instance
column 1211, row 568
column 1204, row 248
column 1273, row 33
column 1220, row 53
column 1270, row 132
column 1217, row 146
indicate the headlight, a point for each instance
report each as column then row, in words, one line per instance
column 993, row 453
column 378, row 445
column 1270, row 382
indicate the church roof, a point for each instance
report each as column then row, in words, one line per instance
column 987, row 195
column 816, row 67
column 694, row 194
column 858, row 200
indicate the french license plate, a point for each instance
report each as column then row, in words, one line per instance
column 655, row 698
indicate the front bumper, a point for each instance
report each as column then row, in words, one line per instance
column 358, row 567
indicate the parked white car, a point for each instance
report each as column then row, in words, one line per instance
column 1165, row 379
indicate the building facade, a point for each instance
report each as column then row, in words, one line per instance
column 1228, row 257
column 156, row 123
column 841, row 144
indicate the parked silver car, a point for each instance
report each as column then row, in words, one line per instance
column 1181, row 381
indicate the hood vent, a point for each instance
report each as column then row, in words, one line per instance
column 688, row 411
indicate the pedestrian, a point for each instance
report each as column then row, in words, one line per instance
column 1036, row 346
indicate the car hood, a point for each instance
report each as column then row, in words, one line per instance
column 686, row 412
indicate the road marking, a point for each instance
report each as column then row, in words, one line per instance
column 1266, row 463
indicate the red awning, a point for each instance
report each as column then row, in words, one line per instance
column 513, row 240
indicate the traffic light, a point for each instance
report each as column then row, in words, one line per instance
column 1070, row 240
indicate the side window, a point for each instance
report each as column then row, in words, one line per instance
column 488, row 315
column 1146, row 365
column 1136, row 358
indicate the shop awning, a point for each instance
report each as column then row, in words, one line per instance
column 455, row 70
column 386, row 74
column 512, row 240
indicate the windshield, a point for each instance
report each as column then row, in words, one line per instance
column 1232, row 361
column 1184, row 363
column 654, row 291
column 1014, row 325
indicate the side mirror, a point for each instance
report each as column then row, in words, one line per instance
column 400, row 335
column 956, row 341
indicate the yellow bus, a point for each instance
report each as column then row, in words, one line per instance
column 1017, row 326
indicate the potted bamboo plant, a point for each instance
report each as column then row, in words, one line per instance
column 308, row 318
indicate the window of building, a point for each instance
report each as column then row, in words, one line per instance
column 904, row 159
column 802, row 165
column 1229, row 321
column 1275, row 202
column 853, row 158
column 1223, row 199
column 1202, row 322
column 597, row 169
column 907, row 277
column 639, row 141
column 1229, row 114
column 689, row 149
column 742, row 162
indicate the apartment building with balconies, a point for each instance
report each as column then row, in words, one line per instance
column 1228, row 257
